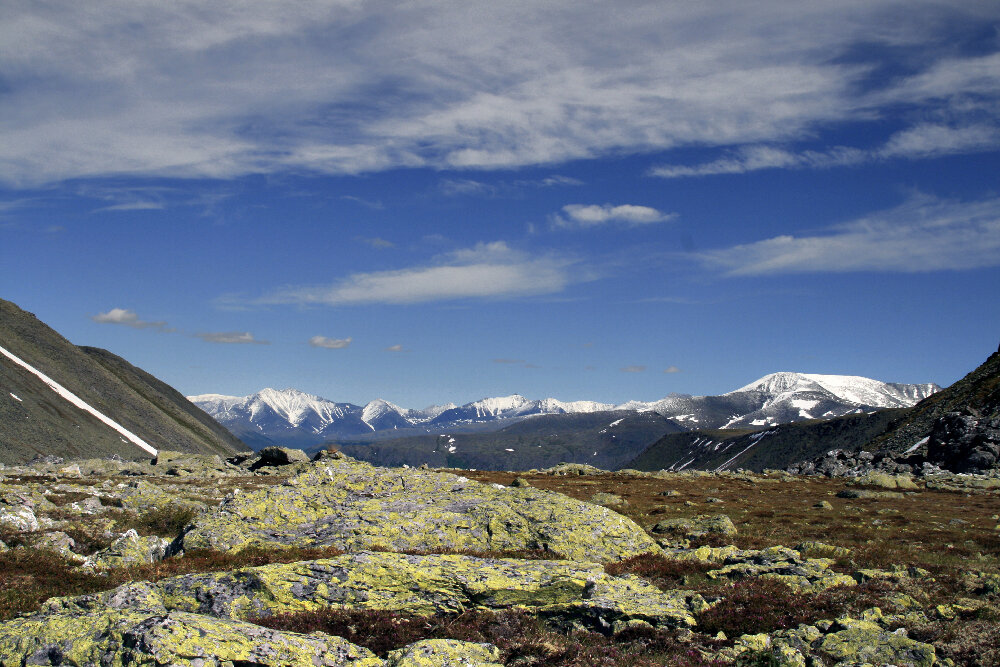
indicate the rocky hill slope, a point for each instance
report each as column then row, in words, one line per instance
column 36, row 420
column 957, row 429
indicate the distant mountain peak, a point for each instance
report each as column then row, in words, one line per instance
column 280, row 415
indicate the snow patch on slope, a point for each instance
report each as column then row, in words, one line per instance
column 78, row 402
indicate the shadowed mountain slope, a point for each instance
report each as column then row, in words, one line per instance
column 35, row 420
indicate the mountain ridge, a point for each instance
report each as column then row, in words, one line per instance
column 300, row 419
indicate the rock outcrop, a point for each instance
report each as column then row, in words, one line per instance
column 352, row 505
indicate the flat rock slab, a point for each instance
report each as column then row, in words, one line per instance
column 354, row 506
column 117, row 639
column 574, row 594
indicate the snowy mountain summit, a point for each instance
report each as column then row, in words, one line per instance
column 294, row 417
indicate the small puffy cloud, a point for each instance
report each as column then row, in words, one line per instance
column 487, row 270
column 922, row 234
column 330, row 343
column 231, row 338
column 395, row 348
column 671, row 369
column 128, row 318
column 633, row 369
column 579, row 216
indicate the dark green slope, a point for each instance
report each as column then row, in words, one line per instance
column 603, row 439
column 43, row 423
column 776, row 447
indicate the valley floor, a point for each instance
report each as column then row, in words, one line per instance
column 770, row 568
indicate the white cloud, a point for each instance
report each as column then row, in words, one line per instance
column 128, row 318
column 633, row 369
column 231, row 338
column 671, row 369
column 454, row 187
column 395, row 348
column 227, row 88
column 330, row 343
column 376, row 242
column 920, row 141
column 593, row 215
column 488, row 270
column 923, row 234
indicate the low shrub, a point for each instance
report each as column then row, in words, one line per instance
column 664, row 573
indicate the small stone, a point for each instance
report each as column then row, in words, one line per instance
column 823, row 505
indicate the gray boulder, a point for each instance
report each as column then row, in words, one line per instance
column 352, row 505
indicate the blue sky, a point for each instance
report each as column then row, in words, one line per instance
column 441, row 201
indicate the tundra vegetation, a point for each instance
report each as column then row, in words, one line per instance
column 724, row 568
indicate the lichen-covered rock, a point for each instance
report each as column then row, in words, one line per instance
column 186, row 464
column 843, row 642
column 120, row 639
column 697, row 526
column 608, row 499
column 129, row 549
column 574, row 469
column 574, row 594
column 59, row 542
column 822, row 549
column 803, row 575
column 19, row 519
column 141, row 496
column 864, row 642
column 445, row 653
column 353, row 505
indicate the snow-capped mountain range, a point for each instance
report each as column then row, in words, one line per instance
column 292, row 417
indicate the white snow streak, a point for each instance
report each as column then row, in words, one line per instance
column 79, row 402
column 15, row 397
column 917, row 444
column 754, row 439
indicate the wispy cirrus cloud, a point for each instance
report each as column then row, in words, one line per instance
column 919, row 141
column 922, row 234
column 486, row 271
column 580, row 216
column 330, row 343
column 231, row 338
column 222, row 90
column 633, row 369
column 376, row 242
column 128, row 318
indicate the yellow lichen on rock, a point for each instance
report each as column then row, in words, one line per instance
column 354, row 506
